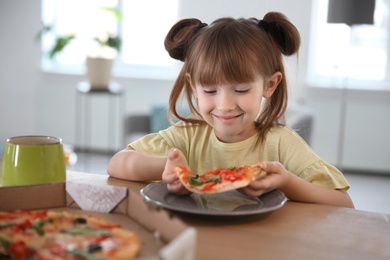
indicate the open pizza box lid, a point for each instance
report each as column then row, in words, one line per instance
column 162, row 235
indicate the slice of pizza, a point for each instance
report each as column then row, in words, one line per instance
column 219, row 180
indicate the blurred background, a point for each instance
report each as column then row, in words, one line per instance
column 339, row 83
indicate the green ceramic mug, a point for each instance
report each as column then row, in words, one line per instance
column 31, row 160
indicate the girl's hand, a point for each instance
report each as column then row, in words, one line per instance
column 277, row 176
column 169, row 176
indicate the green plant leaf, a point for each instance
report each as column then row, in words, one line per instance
column 115, row 12
column 60, row 44
column 44, row 29
column 112, row 42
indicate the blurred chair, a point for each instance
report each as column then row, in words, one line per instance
column 301, row 119
column 136, row 126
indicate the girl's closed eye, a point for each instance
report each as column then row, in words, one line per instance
column 209, row 91
column 242, row 91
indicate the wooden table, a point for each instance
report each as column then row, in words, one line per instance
column 295, row 231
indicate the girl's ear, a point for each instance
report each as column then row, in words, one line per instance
column 272, row 83
column 188, row 77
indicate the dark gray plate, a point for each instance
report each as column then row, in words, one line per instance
column 230, row 203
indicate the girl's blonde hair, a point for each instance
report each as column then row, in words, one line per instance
column 232, row 51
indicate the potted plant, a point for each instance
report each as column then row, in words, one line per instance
column 105, row 46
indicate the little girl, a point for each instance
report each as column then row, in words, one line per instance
column 233, row 81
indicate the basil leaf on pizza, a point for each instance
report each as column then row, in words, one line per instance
column 194, row 180
column 219, row 180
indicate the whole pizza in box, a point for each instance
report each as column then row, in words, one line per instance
column 47, row 234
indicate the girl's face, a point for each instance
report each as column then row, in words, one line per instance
column 231, row 109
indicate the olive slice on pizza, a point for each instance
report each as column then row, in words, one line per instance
column 219, row 180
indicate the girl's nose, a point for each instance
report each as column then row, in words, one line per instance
column 226, row 101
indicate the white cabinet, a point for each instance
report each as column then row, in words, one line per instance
column 366, row 142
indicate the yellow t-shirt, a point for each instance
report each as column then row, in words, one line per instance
column 205, row 152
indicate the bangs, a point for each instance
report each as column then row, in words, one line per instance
column 224, row 58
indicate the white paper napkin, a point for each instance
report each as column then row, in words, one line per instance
column 91, row 197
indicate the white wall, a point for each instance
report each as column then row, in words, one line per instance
column 19, row 67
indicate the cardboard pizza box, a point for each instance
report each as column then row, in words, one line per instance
column 162, row 235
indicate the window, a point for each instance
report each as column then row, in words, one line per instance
column 356, row 56
column 142, row 30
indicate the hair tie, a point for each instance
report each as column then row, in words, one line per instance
column 264, row 25
column 200, row 26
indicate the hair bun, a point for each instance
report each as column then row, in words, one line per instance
column 180, row 35
column 284, row 33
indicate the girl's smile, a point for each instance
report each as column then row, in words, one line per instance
column 227, row 119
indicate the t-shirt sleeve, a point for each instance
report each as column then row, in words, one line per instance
column 161, row 142
column 325, row 175
column 300, row 159
column 153, row 144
